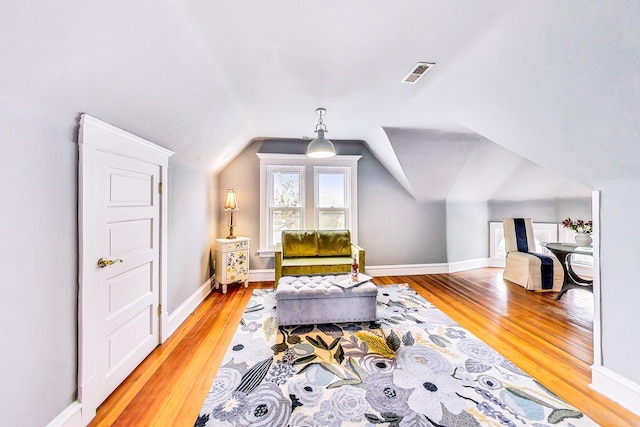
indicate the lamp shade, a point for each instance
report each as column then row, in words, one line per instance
column 321, row 147
column 231, row 204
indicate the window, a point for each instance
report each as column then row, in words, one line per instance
column 331, row 205
column 285, row 199
column 298, row 193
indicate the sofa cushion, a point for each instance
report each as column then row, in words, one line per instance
column 315, row 265
column 317, row 261
column 334, row 243
column 299, row 243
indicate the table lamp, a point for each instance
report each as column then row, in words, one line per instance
column 231, row 205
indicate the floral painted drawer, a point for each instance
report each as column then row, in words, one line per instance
column 232, row 262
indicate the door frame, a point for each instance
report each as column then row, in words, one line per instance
column 96, row 135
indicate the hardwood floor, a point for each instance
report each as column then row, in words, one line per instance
column 549, row 339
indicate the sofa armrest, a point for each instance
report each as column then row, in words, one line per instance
column 358, row 253
column 278, row 263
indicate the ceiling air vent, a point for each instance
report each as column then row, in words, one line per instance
column 419, row 70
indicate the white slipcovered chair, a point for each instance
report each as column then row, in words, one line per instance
column 533, row 271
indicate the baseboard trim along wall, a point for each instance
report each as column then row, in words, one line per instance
column 616, row 387
column 406, row 270
column 70, row 417
column 454, row 267
column 267, row 275
column 186, row 308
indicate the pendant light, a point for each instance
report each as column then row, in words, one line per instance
column 321, row 147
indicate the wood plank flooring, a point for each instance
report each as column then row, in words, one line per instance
column 549, row 339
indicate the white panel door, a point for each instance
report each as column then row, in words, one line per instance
column 128, row 289
column 120, row 291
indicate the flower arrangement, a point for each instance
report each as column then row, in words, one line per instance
column 578, row 225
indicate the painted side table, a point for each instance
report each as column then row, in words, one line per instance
column 232, row 262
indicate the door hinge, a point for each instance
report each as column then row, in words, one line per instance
column 160, row 187
column 159, row 310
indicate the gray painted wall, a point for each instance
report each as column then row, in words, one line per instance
column 188, row 232
column 468, row 222
column 554, row 210
column 467, row 231
column 39, row 252
column 243, row 175
column 393, row 227
column 620, row 286
column 38, row 255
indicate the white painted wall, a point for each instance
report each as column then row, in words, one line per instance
column 620, row 287
column 38, row 255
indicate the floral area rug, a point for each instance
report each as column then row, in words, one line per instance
column 413, row 367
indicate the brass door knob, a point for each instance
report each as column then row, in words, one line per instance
column 103, row 262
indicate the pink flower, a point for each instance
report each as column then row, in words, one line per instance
column 579, row 225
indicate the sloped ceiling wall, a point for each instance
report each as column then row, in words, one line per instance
column 203, row 78
column 464, row 166
column 555, row 82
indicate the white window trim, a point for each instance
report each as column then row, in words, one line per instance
column 274, row 159
column 301, row 170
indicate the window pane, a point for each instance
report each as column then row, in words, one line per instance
column 331, row 190
column 332, row 220
column 286, row 189
column 284, row 220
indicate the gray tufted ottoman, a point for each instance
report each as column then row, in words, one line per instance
column 304, row 300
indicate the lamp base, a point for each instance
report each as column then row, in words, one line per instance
column 231, row 226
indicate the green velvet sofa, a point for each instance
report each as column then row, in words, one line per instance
column 313, row 252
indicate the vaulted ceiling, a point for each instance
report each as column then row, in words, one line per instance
column 522, row 92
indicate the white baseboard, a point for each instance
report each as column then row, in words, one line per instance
column 471, row 264
column 394, row 270
column 406, row 270
column 70, row 417
column 266, row 275
column 496, row 262
column 186, row 308
column 616, row 387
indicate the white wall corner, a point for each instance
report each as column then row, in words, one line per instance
column 616, row 387
column 70, row 417
column 186, row 308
